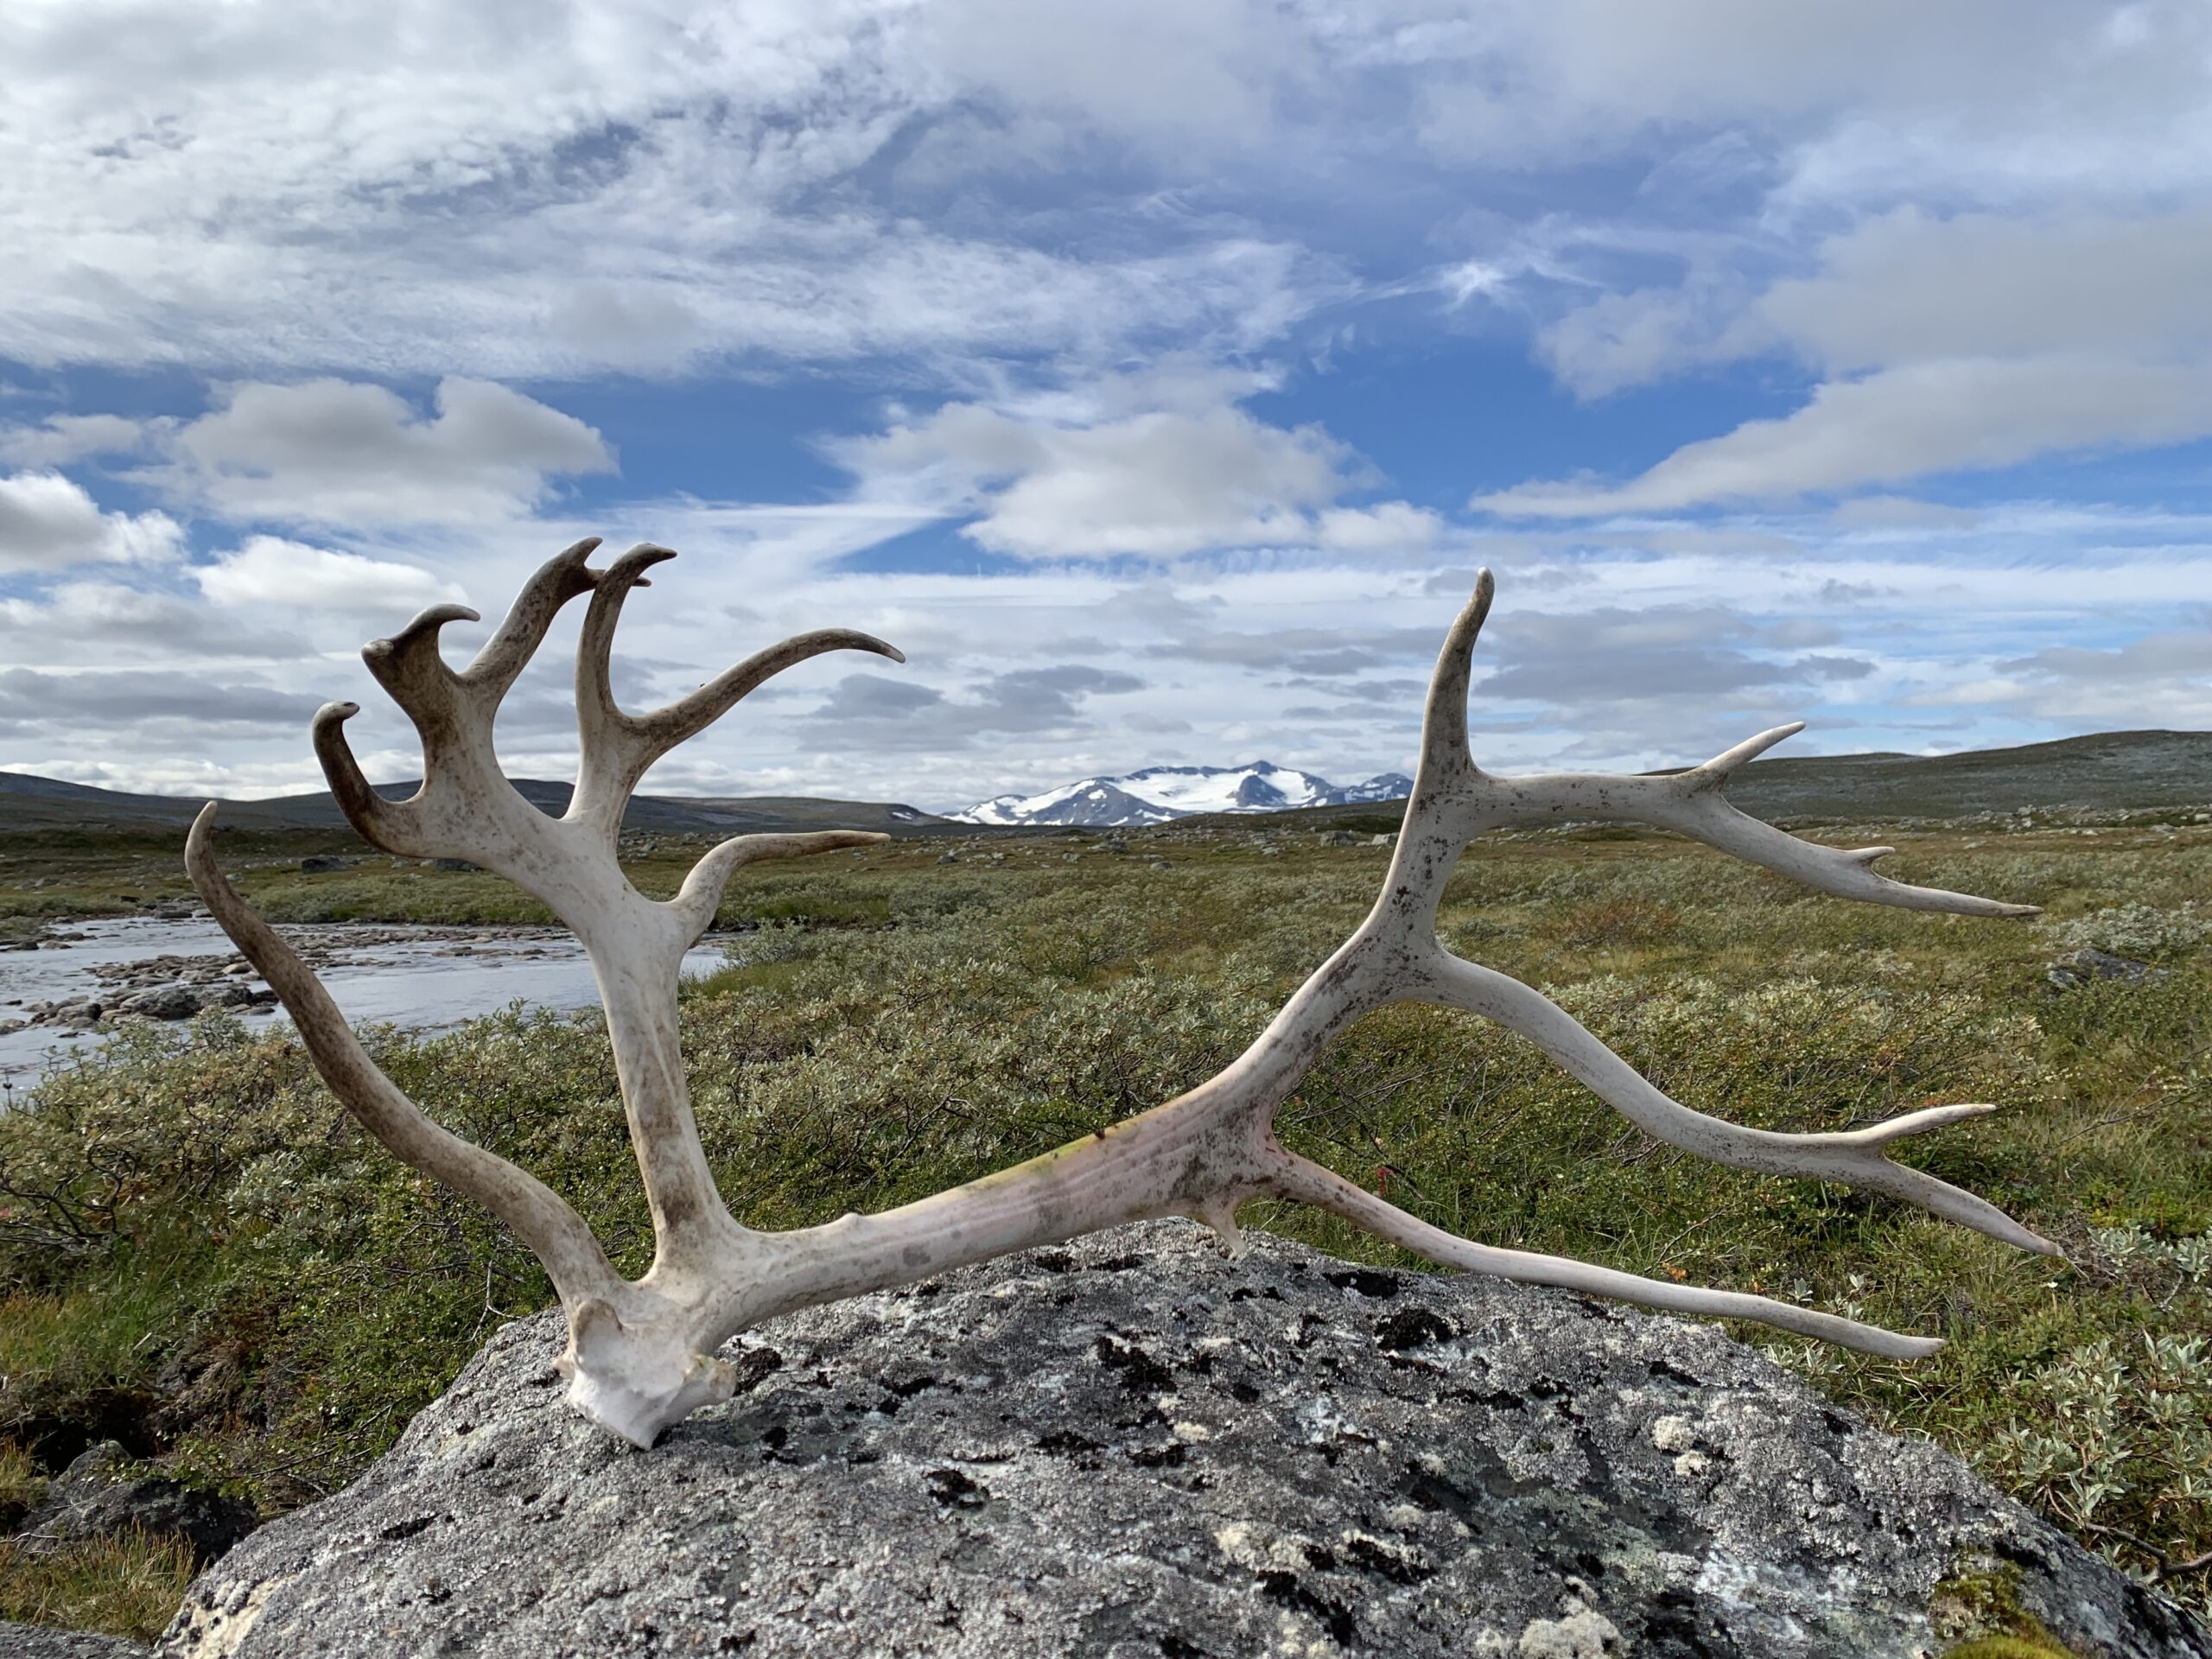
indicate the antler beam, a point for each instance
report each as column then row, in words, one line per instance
column 639, row 1356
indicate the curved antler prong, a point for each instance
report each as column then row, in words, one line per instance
column 663, row 729
column 607, row 735
column 701, row 895
column 1309, row 1183
column 409, row 666
column 1854, row 1158
column 551, row 586
column 1698, row 810
column 392, row 826
column 1715, row 772
column 620, row 748
column 1445, row 755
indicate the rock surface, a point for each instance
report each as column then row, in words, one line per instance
column 1131, row 1447
column 38, row 1642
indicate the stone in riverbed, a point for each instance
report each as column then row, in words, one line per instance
column 163, row 1002
column 1130, row 1447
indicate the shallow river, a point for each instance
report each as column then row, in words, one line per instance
column 406, row 976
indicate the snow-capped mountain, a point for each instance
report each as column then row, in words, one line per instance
column 1159, row 793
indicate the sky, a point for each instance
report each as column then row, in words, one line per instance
column 1155, row 373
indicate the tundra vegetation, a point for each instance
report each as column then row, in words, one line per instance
column 203, row 1256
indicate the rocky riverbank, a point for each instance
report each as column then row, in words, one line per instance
column 170, row 987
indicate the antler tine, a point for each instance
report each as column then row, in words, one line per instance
column 595, row 648
column 663, row 729
column 556, row 1234
column 607, row 735
column 392, row 826
column 409, row 666
column 1306, row 1182
column 1446, row 757
column 620, row 748
column 1855, row 1157
column 508, row 651
column 1692, row 804
column 702, row 893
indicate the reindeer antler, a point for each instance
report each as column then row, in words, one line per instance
column 640, row 1354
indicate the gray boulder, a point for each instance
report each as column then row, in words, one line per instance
column 1131, row 1447
column 104, row 1493
column 163, row 1002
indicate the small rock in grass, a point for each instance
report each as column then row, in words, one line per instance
column 2081, row 967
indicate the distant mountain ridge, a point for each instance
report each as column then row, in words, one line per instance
column 31, row 804
column 2104, row 770
column 1158, row 794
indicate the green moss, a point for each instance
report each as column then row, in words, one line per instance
column 1984, row 1608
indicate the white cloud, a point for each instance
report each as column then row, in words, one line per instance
column 103, row 623
column 335, row 452
column 1160, row 72
column 647, row 187
column 1618, row 340
column 1159, row 483
column 1910, row 287
column 1869, row 100
column 609, row 187
column 1974, row 413
column 2162, row 678
column 269, row 570
column 60, row 439
column 49, row 523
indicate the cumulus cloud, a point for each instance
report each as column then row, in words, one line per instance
column 338, row 452
column 49, row 523
column 269, row 570
column 1159, row 483
column 1930, row 327
column 1910, row 286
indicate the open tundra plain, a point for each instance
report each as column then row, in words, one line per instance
column 203, row 1258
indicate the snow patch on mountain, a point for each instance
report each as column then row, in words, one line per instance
column 1157, row 794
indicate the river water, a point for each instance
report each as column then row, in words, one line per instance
column 426, row 978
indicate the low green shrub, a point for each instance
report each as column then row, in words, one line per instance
column 202, row 1256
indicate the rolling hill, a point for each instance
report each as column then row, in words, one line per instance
column 2104, row 772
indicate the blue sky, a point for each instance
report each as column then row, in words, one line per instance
column 1155, row 374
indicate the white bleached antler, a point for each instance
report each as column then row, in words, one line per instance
column 639, row 1353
